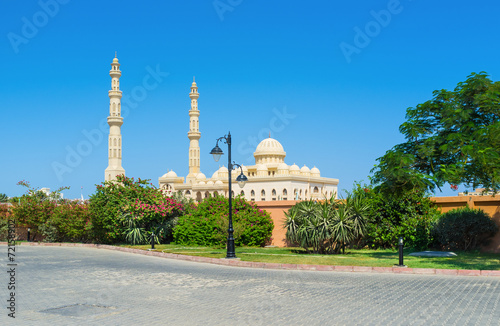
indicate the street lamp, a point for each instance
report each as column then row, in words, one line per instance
column 241, row 179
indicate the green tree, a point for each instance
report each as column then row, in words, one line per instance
column 4, row 198
column 206, row 224
column 129, row 210
column 452, row 138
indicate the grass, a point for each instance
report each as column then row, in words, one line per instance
column 352, row 257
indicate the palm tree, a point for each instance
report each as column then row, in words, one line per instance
column 4, row 198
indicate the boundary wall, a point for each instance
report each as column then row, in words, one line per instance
column 489, row 204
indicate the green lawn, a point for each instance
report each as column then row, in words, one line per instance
column 352, row 257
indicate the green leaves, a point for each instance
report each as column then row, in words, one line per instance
column 326, row 226
column 452, row 138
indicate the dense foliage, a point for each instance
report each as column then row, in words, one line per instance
column 206, row 224
column 327, row 226
column 4, row 198
column 130, row 210
column 464, row 229
column 409, row 215
column 51, row 218
column 452, row 138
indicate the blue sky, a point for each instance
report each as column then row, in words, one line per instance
column 332, row 95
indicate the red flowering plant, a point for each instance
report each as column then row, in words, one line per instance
column 130, row 210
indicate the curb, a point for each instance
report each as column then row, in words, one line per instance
column 239, row 263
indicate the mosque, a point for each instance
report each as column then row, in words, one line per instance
column 268, row 180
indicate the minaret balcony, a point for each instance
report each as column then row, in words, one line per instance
column 115, row 73
column 115, row 93
column 115, row 121
column 193, row 134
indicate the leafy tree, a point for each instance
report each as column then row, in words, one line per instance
column 4, row 198
column 129, row 210
column 206, row 224
column 452, row 138
column 410, row 215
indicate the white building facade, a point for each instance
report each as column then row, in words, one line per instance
column 268, row 180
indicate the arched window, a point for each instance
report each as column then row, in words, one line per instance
column 198, row 196
column 242, row 193
column 262, row 195
column 207, row 194
column 252, row 193
column 285, row 192
column 216, row 193
column 274, row 192
column 232, row 193
column 188, row 193
column 316, row 190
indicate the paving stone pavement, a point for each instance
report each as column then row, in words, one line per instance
column 87, row 286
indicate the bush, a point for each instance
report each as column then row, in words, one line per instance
column 409, row 215
column 4, row 222
column 464, row 229
column 130, row 210
column 207, row 223
column 50, row 217
column 328, row 226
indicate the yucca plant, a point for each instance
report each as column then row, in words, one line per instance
column 327, row 226
column 134, row 234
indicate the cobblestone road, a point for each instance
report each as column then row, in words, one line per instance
column 84, row 286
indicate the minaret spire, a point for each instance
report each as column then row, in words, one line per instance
column 194, row 135
column 115, row 122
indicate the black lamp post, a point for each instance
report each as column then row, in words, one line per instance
column 241, row 179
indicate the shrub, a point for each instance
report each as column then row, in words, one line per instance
column 114, row 203
column 50, row 217
column 409, row 215
column 327, row 226
column 207, row 223
column 464, row 229
column 4, row 221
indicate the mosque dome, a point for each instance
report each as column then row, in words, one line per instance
column 218, row 182
column 215, row 175
column 170, row 174
column 283, row 169
column 315, row 172
column 269, row 151
column 115, row 60
column 210, row 182
column 201, row 182
column 305, row 170
column 200, row 176
column 294, row 169
column 283, row 166
column 222, row 169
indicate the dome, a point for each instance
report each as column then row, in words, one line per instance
column 283, row 166
column 210, row 182
column 215, row 175
column 170, row 174
column 294, row 169
column 261, row 167
column 222, row 169
column 115, row 60
column 218, row 182
column 200, row 176
column 269, row 151
column 269, row 146
column 305, row 170
column 201, row 182
column 315, row 172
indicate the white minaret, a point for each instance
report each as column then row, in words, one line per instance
column 194, row 135
column 115, row 122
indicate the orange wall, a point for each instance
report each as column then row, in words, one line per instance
column 489, row 204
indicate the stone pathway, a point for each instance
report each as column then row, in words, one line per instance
column 86, row 286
